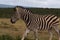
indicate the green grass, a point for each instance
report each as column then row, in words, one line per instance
column 8, row 37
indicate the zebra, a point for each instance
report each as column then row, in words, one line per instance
column 35, row 22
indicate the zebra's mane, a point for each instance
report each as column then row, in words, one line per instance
column 25, row 9
column 18, row 7
column 28, row 11
column 21, row 7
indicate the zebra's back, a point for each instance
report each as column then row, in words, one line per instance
column 43, row 22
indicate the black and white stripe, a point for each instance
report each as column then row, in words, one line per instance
column 38, row 22
column 43, row 22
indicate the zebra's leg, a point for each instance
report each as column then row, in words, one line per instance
column 36, row 34
column 25, row 34
column 58, row 31
column 51, row 35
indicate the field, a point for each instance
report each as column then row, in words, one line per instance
column 9, row 31
column 15, row 31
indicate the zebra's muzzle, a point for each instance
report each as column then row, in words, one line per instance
column 12, row 21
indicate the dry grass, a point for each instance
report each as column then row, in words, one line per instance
column 6, row 27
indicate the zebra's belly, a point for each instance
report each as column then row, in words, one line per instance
column 38, row 28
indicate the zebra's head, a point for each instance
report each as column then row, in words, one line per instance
column 19, row 12
column 15, row 16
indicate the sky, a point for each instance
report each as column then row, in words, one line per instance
column 33, row 3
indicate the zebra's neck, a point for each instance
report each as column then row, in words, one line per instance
column 25, row 14
column 27, row 11
column 26, row 19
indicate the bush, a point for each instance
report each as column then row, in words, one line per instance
column 7, row 12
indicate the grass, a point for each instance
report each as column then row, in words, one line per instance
column 9, row 31
column 8, row 37
column 5, row 37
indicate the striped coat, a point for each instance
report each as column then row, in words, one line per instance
column 35, row 22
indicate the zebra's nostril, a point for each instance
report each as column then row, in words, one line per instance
column 12, row 21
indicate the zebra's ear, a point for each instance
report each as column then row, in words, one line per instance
column 17, row 12
column 16, row 8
